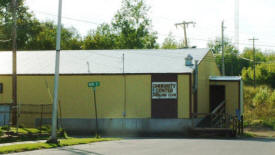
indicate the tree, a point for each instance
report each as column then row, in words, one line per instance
column 25, row 24
column 133, row 27
column 249, row 54
column 169, row 42
column 46, row 38
column 265, row 74
column 101, row 38
column 31, row 33
column 233, row 63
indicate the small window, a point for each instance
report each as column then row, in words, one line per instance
column 1, row 88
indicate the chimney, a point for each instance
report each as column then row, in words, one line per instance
column 189, row 60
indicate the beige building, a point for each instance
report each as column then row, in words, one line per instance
column 140, row 90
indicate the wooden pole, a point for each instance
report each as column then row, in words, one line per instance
column 14, row 69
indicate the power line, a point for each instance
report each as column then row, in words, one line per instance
column 223, row 67
column 209, row 40
column 70, row 18
column 254, row 62
column 185, row 25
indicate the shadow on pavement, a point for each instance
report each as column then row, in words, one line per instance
column 259, row 139
column 79, row 151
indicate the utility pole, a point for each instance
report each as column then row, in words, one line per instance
column 223, row 67
column 237, row 24
column 53, row 138
column 124, row 81
column 254, row 60
column 14, row 69
column 185, row 24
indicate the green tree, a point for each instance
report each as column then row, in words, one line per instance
column 25, row 24
column 133, row 27
column 248, row 54
column 233, row 63
column 46, row 38
column 32, row 34
column 265, row 74
column 169, row 42
column 101, row 38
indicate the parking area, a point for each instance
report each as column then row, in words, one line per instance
column 157, row 146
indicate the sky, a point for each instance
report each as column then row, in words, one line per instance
column 256, row 18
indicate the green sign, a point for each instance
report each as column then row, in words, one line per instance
column 94, row 84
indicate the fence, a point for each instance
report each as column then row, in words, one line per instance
column 28, row 115
column 34, row 115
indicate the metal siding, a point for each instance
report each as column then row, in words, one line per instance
column 6, row 96
column 232, row 93
column 207, row 67
column 76, row 97
column 138, row 96
column 184, row 96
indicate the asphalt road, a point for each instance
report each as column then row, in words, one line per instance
column 167, row 147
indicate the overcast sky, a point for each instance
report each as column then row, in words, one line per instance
column 257, row 18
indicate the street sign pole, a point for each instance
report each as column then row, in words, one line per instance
column 96, row 123
column 93, row 85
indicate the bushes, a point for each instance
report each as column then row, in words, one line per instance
column 259, row 106
column 265, row 74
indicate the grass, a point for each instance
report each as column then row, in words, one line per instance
column 63, row 142
column 27, row 134
column 259, row 107
column 27, row 130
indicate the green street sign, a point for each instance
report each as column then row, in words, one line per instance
column 94, row 84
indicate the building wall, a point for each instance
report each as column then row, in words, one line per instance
column 138, row 96
column 232, row 95
column 77, row 99
column 207, row 67
column 184, row 95
column 6, row 96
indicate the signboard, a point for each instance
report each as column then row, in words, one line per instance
column 94, row 84
column 164, row 90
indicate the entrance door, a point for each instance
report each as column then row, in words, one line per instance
column 217, row 95
column 164, row 96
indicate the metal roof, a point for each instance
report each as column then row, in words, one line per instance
column 225, row 78
column 102, row 61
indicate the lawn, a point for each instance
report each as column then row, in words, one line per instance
column 9, row 134
column 63, row 142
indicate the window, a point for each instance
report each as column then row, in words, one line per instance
column 1, row 88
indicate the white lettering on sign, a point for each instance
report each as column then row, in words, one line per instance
column 164, row 90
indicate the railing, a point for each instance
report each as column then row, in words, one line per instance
column 218, row 118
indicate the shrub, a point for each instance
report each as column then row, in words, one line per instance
column 1, row 132
column 21, row 126
column 262, row 96
column 6, row 127
column 259, row 106
column 272, row 99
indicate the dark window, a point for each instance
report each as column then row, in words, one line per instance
column 1, row 88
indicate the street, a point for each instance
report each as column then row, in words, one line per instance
column 159, row 146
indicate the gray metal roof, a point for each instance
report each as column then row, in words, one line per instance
column 225, row 78
column 101, row 61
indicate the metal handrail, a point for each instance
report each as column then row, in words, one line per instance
column 218, row 107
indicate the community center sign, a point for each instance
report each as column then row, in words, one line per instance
column 164, row 90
